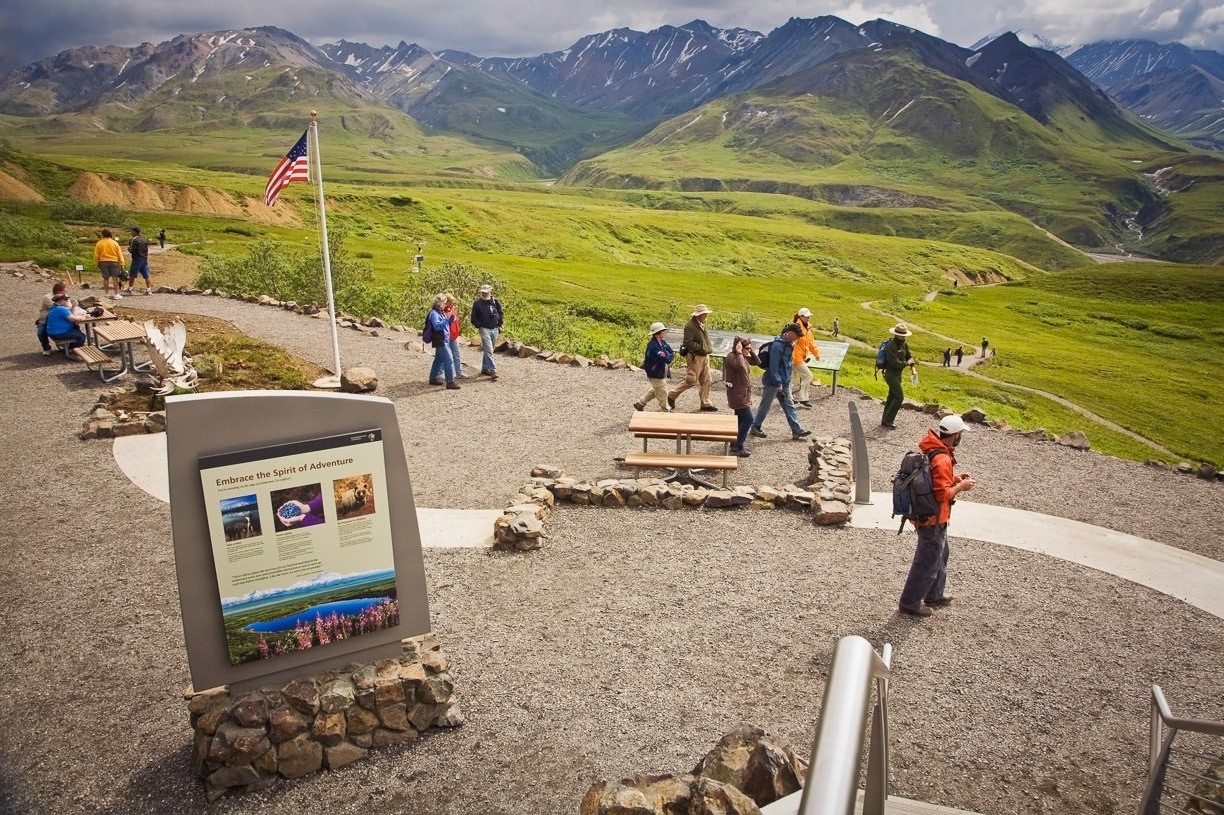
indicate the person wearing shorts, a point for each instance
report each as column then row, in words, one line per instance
column 109, row 258
column 139, row 250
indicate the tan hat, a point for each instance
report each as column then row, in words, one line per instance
column 899, row 330
column 486, row 289
column 702, row 308
column 804, row 312
column 655, row 328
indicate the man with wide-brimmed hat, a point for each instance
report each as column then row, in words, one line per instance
column 896, row 357
column 696, row 348
column 658, row 356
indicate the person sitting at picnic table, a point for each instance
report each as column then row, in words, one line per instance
column 658, row 356
column 62, row 324
column 40, row 324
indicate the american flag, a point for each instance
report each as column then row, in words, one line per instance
column 295, row 166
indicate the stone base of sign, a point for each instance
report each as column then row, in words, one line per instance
column 252, row 740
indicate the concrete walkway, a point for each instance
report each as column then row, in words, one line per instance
column 1190, row 578
column 143, row 460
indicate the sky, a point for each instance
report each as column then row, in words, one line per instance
column 33, row 29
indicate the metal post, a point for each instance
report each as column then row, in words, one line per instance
column 862, row 470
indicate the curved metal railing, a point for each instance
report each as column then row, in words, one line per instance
column 1178, row 774
column 832, row 780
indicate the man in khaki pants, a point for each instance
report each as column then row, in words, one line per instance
column 696, row 348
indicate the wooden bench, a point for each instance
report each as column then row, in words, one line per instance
column 96, row 359
column 682, row 461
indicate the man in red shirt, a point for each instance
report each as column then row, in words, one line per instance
column 924, row 587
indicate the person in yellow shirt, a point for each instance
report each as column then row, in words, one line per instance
column 109, row 258
column 805, row 346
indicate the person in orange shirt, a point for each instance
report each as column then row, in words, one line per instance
column 805, row 347
column 109, row 258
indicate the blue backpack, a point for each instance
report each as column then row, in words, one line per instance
column 427, row 332
column 881, row 358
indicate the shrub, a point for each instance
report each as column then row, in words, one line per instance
column 68, row 209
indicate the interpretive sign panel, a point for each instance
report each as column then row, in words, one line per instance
column 295, row 534
column 322, row 570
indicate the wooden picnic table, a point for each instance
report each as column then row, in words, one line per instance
column 123, row 333
column 89, row 322
column 684, row 428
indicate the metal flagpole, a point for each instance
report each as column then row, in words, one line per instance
column 333, row 381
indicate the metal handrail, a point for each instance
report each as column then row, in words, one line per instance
column 1160, row 746
column 832, row 780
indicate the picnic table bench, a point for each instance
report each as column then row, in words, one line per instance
column 684, row 428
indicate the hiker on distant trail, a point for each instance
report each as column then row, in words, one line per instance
column 928, row 573
column 109, row 259
column 948, row 357
column 737, row 375
column 955, row 282
column 776, row 384
column 960, row 354
column 138, row 248
column 896, row 357
column 161, row 238
column 836, row 328
column 804, row 347
column 985, row 344
column 696, row 348
column 487, row 317
column 658, row 356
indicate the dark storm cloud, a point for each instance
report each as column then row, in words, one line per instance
column 34, row 29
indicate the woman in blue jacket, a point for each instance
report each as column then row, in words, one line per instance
column 440, row 326
column 658, row 356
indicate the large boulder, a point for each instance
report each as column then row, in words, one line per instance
column 358, row 380
column 754, row 762
column 666, row 795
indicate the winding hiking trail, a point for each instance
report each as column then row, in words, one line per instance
column 973, row 359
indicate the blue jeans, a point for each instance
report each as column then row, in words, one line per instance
column 76, row 335
column 929, row 569
column 442, row 364
column 42, row 335
column 745, row 421
column 456, row 365
column 788, row 407
column 488, row 336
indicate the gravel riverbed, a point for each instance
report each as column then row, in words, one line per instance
column 633, row 640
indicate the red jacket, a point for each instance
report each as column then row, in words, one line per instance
column 943, row 476
column 451, row 311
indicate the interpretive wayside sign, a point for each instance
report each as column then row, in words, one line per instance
column 296, row 541
column 323, row 570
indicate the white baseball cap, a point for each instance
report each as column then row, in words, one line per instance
column 804, row 312
column 952, row 424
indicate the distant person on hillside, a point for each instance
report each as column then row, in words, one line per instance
column 804, row 347
column 161, row 238
column 439, row 325
column 776, row 384
column 487, row 317
column 956, row 282
column 62, row 324
column 138, row 248
column 658, row 356
column 948, row 357
column 985, row 345
column 696, row 348
column 960, row 354
column 738, row 378
column 40, row 324
column 896, row 357
column 836, row 328
column 928, row 573
column 109, row 259
column 451, row 310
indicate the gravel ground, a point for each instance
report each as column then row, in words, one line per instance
column 632, row 641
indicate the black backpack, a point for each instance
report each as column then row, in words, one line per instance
column 913, row 495
column 762, row 359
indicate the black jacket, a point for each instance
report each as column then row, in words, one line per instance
column 487, row 313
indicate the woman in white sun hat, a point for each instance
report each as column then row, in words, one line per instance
column 658, row 356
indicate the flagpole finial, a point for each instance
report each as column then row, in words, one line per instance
column 314, row 114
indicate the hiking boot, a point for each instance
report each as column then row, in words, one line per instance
column 801, row 434
column 638, row 406
column 671, row 403
column 940, row 602
column 435, row 381
column 452, row 386
column 709, row 407
column 493, row 376
column 740, row 451
column 889, row 425
column 46, row 352
column 758, row 432
column 806, row 404
column 921, row 611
